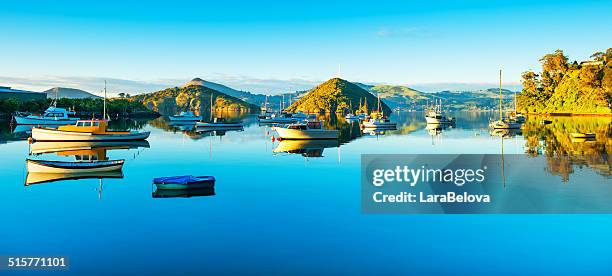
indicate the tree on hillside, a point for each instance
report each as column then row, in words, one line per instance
column 554, row 67
column 598, row 56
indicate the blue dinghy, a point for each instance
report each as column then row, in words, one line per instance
column 184, row 182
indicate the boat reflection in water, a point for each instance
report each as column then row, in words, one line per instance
column 307, row 148
column 91, row 160
column 96, row 150
column 162, row 193
column 505, row 132
column 39, row 178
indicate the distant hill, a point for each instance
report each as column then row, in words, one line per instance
column 486, row 99
column 70, row 93
column 192, row 96
column 336, row 96
column 257, row 99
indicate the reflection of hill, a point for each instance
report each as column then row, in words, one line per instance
column 564, row 153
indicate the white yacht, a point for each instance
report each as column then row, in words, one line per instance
column 306, row 130
column 52, row 116
column 185, row 116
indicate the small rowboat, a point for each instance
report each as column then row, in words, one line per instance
column 184, row 182
column 44, row 166
column 583, row 135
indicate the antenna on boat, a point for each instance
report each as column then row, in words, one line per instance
column 104, row 112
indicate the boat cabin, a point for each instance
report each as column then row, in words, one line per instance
column 307, row 125
column 88, row 126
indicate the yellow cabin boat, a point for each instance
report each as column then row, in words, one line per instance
column 86, row 130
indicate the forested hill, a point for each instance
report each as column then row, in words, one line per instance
column 171, row 101
column 337, row 96
column 566, row 87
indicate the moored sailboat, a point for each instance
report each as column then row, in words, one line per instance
column 503, row 123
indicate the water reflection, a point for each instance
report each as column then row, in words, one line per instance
column 162, row 193
column 39, row 178
column 564, row 153
column 306, row 148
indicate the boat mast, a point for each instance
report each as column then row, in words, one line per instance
column 211, row 105
column 501, row 117
column 104, row 111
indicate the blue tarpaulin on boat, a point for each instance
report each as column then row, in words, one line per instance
column 184, row 179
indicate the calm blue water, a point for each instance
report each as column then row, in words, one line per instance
column 281, row 213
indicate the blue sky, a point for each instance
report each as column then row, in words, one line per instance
column 271, row 46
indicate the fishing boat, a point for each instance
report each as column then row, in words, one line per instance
column 86, row 130
column 52, row 116
column 184, row 182
column 436, row 115
column 503, row 123
column 185, row 116
column 46, row 166
column 588, row 135
column 378, row 120
column 306, row 130
column 40, row 177
column 379, row 123
column 219, row 123
column 277, row 118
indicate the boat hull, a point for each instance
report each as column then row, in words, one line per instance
column 35, row 166
column 310, row 134
column 21, row 120
column 44, row 134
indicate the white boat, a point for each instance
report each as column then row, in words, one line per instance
column 86, row 130
column 379, row 123
column 277, row 118
column 44, row 166
column 504, row 124
column 185, row 116
column 433, row 117
column 52, row 116
column 218, row 123
column 306, row 130
column 351, row 117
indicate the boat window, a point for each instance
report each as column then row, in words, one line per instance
column 81, row 124
column 96, row 123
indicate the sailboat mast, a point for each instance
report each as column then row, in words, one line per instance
column 501, row 117
column 104, row 112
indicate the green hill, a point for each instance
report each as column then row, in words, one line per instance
column 396, row 95
column 336, row 96
column 194, row 97
column 565, row 87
